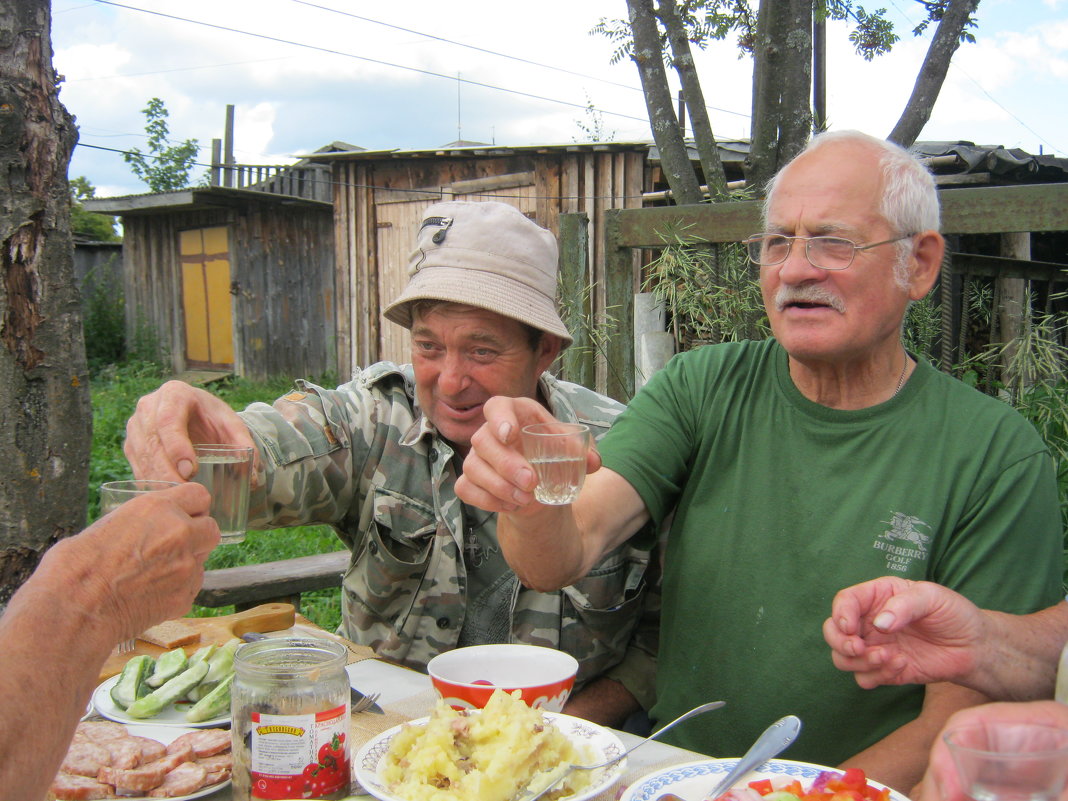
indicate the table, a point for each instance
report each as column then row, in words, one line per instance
column 407, row 694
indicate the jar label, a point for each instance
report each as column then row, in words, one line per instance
column 300, row 756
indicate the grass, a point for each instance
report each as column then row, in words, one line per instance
column 115, row 390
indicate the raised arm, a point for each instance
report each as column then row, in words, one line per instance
column 548, row 546
column 166, row 423
column 894, row 631
column 137, row 566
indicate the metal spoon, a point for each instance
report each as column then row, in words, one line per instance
column 527, row 794
column 769, row 744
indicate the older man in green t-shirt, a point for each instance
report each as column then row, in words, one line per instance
column 794, row 467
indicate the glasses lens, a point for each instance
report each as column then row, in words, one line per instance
column 769, row 249
column 830, row 252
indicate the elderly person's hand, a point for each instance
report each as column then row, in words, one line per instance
column 161, row 433
column 142, row 563
column 941, row 783
column 894, row 631
column 496, row 476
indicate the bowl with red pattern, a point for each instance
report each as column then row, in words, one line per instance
column 466, row 677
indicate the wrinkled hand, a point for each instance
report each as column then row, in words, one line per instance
column 894, row 631
column 166, row 423
column 941, row 782
column 144, row 562
column 496, row 476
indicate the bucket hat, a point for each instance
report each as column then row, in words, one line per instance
column 484, row 254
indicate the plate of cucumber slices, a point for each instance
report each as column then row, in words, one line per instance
column 173, row 690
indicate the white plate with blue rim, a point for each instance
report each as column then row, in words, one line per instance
column 600, row 743
column 693, row 781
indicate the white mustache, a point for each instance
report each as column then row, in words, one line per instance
column 809, row 293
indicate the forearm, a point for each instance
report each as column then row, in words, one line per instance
column 604, row 701
column 51, row 650
column 550, row 547
column 900, row 758
column 1018, row 657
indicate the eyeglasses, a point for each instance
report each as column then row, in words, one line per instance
column 824, row 252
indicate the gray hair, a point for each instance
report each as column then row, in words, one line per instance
column 909, row 201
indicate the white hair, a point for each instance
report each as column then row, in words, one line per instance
column 909, row 200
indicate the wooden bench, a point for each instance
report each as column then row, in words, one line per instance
column 281, row 581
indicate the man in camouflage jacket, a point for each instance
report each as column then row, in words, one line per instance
column 378, row 458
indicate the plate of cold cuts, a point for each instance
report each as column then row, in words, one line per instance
column 113, row 760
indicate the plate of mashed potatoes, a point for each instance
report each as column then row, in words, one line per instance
column 489, row 754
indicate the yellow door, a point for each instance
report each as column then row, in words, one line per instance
column 205, row 259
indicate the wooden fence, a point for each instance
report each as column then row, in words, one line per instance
column 1005, row 210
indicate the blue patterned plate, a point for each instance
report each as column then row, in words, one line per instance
column 693, row 780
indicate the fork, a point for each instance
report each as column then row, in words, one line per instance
column 126, row 646
column 365, row 703
column 563, row 771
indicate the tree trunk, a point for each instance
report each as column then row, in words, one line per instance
column 782, row 81
column 707, row 151
column 674, row 160
column 933, row 72
column 45, row 417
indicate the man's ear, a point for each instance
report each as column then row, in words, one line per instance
column 548, row 349
column 926, row 262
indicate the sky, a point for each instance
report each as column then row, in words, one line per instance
column 413, row 74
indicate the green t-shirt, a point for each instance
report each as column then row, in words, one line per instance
column 780, row 502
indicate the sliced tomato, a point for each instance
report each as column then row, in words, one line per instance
column 762, row 786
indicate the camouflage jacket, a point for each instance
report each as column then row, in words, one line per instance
column 365, row 459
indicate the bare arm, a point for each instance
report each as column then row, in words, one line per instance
column 137, row 566
column 900, row 758
column 894, row 631
column 548, row 546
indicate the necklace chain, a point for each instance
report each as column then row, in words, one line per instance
column 901, row 378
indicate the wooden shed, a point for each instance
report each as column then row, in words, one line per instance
column 380, row 196
column 232, row 279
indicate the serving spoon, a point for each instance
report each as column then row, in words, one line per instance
column 560, row 773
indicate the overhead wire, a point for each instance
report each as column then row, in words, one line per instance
column 368, row 59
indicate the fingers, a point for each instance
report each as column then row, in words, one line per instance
column 166, row 423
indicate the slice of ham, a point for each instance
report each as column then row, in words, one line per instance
column 205, row 742
column 85, row 758
column 71, row 787
column 99, row 731
column 218, row 767
column 138, row 781
column 185, row 779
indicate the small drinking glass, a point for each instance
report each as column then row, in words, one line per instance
column 557, row 451
column 1005, row 761
column 225, row 471
column 115, row 493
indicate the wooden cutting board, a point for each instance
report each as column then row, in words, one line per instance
column 218, row 630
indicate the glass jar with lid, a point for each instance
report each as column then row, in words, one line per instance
column 291, row 720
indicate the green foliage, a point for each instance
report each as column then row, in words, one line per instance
column 923, row 326
column 89, row 224
column 115, row 391
column 592, row 127
column 709, row 291
column 104, row 317
column 874, row 34
column 167, row 166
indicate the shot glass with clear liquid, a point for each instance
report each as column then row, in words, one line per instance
column 1003, row 761
column 225, row 471
column 557, row 452
column 115, row 493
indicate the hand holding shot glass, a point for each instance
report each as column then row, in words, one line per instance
column 1003, row 761
column 557, row 452
column 225, row 471
column 115, row 493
